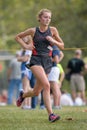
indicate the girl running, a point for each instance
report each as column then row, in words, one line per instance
column 40, row 64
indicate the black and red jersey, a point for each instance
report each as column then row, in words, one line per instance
column 42, row 45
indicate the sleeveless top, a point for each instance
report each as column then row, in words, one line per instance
column 42, row 45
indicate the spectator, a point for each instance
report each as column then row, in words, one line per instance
column 54, row 77
column 77, row 83
column 42, row 106
column 60, row 81
column 62, row 73
column 3, row 98
column 78, row 101
column 66, row 99
column 14, row 78
column 27, row 76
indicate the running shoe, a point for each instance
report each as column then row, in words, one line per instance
column 53, row 117
column 20, row 99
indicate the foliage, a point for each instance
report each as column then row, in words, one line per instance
column 69, row 16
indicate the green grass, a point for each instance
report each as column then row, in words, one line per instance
column 13, row 118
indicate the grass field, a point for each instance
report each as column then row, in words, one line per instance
column 13, row 118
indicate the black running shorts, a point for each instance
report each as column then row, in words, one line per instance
column 44, row 61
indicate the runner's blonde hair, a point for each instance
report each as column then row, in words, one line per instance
column 41, row 12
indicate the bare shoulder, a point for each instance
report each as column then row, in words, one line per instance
column 31, row 31
column 53, row 30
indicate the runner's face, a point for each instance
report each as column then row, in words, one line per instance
column 45, row 18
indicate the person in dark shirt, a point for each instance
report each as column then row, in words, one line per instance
column 43, row 38
column 77, row 83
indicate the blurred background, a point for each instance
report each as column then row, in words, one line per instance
column 69, row 17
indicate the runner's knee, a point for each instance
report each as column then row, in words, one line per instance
column 46, row 86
